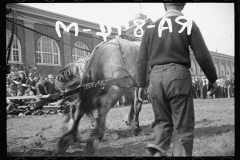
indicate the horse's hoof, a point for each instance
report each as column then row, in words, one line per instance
column 64, row 143
column 136, row 131
column 91, row 146
column 128, row 123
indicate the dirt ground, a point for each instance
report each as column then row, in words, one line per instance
column 37, row 136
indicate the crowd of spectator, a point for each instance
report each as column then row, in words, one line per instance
column 226, row 85
column 27, row 82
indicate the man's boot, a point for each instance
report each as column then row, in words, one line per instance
column 161, row 142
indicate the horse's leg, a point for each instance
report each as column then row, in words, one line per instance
column 130, row 114
column 130, row 98
column 137, row 108
column 65, row 119
column 71, row 135
column 104, row 105
column 66, row 111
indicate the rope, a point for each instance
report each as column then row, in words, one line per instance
column 8, row 50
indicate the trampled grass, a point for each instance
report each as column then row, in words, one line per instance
column 38, row 135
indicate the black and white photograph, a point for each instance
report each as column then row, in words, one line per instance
column 120, row 79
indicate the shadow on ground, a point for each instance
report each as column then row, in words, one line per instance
column 125, row 147
column 212, row 130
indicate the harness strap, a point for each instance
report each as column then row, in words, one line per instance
column 102, row 83
column 128, row 69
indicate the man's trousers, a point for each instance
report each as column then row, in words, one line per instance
column 170, row 91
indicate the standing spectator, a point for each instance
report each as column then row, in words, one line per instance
column 196, row 87
column 49, row 85
column 218, row 91
column 31, row 83
column 233, row 82
column 226, row 85
column 40, row 87
column 170, row 81
column 204, row 90
column 230, row 87
column 201, row 87
column 222, row 85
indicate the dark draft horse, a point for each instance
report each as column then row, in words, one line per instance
column 67, row 79
column 113, row 59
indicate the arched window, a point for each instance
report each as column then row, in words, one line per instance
column 48, row 51
column 15, row 54
column 78, row 53
column 223, row 70
column 193, row 68
column 217, row 70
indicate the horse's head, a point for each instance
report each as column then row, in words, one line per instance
column 70, row 76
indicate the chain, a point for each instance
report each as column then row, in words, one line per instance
column 93, row 84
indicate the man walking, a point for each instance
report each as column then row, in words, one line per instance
column 170, row 90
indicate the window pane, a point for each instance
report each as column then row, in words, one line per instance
column 55, row 59
column 38, row 57
column 44, row 58
column 50, row 58
column 48, row 49
column 15, row 48
column 78, row 53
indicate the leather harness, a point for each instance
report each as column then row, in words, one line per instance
column 103, row 83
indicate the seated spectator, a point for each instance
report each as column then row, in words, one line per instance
column 31, row 83
column 21, row 88
column 22, row 77
column 14, row 103
column 40, row 87
column 12, row 72
column 27, row 94
column 12, row 89
column 35, row 74
column 49, row 85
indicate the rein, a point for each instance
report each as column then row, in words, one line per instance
column 101, row 83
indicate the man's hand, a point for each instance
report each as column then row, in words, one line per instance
column 141, row 93
column 212, row 88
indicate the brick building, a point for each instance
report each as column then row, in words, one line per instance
column 50, row 55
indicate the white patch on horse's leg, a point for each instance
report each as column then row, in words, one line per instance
column 70, row 124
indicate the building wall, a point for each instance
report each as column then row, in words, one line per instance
column 221, row 62
column 91, row 40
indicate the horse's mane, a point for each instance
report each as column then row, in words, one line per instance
column 131, row 37
column 68, row 76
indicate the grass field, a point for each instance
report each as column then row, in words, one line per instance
column 38, row 135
